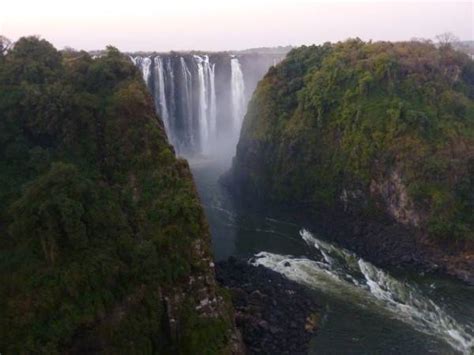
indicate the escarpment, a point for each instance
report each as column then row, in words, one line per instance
column 381, row 133
column 104, row 245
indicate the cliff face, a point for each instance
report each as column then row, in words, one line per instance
column 104, row 245
column 375, row 130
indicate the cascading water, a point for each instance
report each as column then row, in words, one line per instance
column 171, row 95
column 238, row 93
column 202, row 98
column 160, row 94
column 212, row 99
column 341, row 272
column 187, row 101
column 203, row 102
column 144, row 63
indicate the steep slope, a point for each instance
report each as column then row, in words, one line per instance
column 104, row 246
column 383, row 132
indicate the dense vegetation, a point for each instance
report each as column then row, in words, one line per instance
column 103, row 243
column 369, row 126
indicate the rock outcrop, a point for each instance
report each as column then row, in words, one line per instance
column 275, row 315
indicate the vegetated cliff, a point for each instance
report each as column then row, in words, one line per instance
column 104, row 245
column 375, row 130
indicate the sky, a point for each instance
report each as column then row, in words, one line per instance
column 157, row 25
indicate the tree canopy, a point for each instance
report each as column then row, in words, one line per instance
column 352, row 119
column 99, row 221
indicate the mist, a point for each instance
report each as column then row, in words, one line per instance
column 202, row 97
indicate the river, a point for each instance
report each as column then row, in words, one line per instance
column 365, row 310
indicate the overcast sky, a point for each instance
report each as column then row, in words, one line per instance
column 228, row 24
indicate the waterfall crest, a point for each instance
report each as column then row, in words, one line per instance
column 144, row 63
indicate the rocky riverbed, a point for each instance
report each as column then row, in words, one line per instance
column 274, row 314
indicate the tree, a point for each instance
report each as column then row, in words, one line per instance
column 5, row 45
column 68, row 49
column 447, row 39
column 96, row 213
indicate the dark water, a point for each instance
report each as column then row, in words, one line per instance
column 365, row 310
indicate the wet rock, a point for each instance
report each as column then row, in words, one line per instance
column 256, row 297
column 274, row 315
column 274, row 330
column 312, row 322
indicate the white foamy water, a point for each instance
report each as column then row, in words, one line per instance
column 238, row 93
column 344, row 275
column 160, row 98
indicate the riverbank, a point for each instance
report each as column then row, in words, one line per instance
column 391, row 245
column 379, row 240
column 355, row 321
column 275, row 315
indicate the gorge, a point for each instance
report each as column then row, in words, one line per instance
column 344, row 282
column 370, row 145
column 325, row 192
column 237, row 177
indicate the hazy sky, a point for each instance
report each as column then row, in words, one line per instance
column 228, row 24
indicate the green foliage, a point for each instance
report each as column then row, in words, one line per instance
column 202, row 334
column 97, row 214
column 338, row 117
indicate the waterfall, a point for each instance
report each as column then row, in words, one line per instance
column 145, row 67
column 207, row 102
column 203, row 103
column 200, row 98
column 213, row 104
column 187, row 101
column 171, row 95
column 345, row 275
column 237, row 92
column 160, row 94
